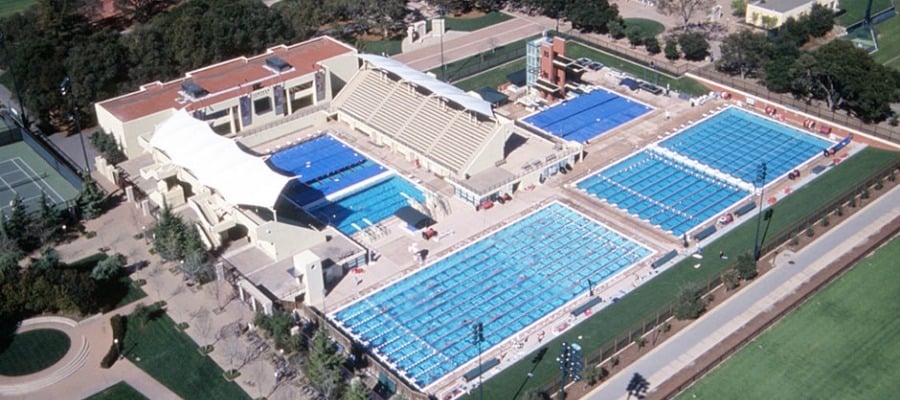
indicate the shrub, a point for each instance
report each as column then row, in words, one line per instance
column 810, row 232
column 710, row 298
column 90, row 234
column 746, row 267
column 894, row 121
column 640, row 342
column 852, row 202
column 880, row 184
column 671, row 50
column 839, row 211
column 118, row 322
column 666, row 327
column 652, row 45
column 732, row 278
column 864, row 194
column 613, row 361
column 110, row 357
column 688, row 304
column 825, row 221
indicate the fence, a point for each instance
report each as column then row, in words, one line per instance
column 697, row 375
column 487, row 61
column 636, row 56
column 624, row 339
column 883, row 131
column 57, row 159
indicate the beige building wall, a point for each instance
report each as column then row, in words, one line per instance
column 760, row 13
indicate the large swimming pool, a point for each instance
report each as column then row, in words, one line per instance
column 691, row 177
column 422, row 325
column 588, row 115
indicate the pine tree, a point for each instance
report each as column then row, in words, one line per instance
column 322, row 367
column 50, row 219
column 90, row 200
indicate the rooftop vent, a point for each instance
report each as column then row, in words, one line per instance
column 277, row 64
column 193, row 90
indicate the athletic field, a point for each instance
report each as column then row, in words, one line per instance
column 843, row 343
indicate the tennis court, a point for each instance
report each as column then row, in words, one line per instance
column 25, row 174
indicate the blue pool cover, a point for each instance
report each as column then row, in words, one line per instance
column 588, row 116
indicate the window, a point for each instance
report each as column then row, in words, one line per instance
column 262, row 105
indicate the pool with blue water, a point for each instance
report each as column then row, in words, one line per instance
column 735, row 141
column 422, row 324
column 588, row 115
column 709, row 167
column 340, row 186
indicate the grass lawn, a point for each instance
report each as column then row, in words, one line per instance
column 491, row 78
column 474, row 24
column 133, row 293
column 119, row 391
column 888, row 43
column 643, row 303
column 649, row 27
column 856, row 10
column 841, row 344
column 577, row 50
column 389, row 47
column 171, row 357
column 8, row 7
column 32, row 351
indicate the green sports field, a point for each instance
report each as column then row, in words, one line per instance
column 888, row 43
column 844, row 343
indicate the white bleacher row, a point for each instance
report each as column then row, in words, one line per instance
column 423, row 123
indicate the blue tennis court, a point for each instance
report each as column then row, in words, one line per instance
column 422, row 324
column 735, row 141
column 588, row 116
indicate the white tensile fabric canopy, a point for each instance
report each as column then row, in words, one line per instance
column 218, row 162
column 437, row 87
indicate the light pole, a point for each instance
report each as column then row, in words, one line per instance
column 570, row 364
column 65, row 88
column 443, row 30
column 118, row 350
column 477, row 339
column 761, row 181
column 23, row 119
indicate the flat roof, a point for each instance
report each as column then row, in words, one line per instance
column 226, row 79
column 781, row 5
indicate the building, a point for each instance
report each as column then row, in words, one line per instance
column 548, row 70
column 236, row 97
column 770, row 14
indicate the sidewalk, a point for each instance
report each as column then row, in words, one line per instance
column 791, row 270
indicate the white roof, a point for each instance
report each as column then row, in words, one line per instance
column 218, row 162
column 437, row 87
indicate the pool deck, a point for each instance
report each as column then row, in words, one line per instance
column 464, row 224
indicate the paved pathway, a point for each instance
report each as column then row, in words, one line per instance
column 792, row 270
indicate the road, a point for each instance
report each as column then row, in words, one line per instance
column 792, row 269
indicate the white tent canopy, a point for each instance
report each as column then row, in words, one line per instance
column 218, row 162
column 437, row 87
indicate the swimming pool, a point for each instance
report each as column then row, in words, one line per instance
column 735, row 141
column 373, row 203
column 422, row 324
column 323, row 166
column 663, row 191
column 691, row 177
column 588, row 115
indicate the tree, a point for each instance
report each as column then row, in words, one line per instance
column 50, row 219
column 322, row 366
column 108, row 268
column 18, row 225
column 693, row 45
column 744, row 53
column 90, row 200
column 107, row 145
column 683, row 8
column 671, row 50
column 204, row 325
column 141, row 10
column 820, row 20
column 746, row 267
column 732, row 278
column 652, row 45
column 594, row 16
column 779, row 71
column 358, row 391
column 635, row 35
column 739, row 8
column 616, row 29
column 688, row 304
column 48, row 260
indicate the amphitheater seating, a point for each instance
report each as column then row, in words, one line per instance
column 422, row 122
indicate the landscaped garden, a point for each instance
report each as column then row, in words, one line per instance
column 119, row 391
column 842, row 343
column 32, row 351
column 169, row 355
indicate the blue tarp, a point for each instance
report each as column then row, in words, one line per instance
column 630, row 83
